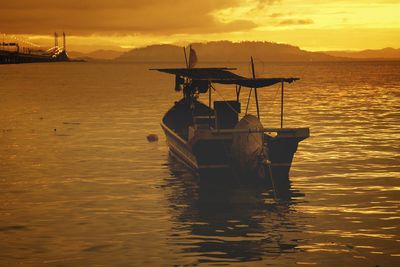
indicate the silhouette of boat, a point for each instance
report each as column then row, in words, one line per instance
column 210, row 138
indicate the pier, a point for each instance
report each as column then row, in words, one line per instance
column 13, row 51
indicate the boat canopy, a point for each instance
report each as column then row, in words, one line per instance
column 225, row 76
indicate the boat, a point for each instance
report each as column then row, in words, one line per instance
column 220, row 140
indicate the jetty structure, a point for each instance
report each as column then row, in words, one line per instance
column 15, row 51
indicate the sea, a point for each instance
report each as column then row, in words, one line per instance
column 80, row 184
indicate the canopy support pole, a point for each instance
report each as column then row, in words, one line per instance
column 255, row 89
column 258, row 109
column 209, row 105
column 238, row 88
column 282, row 104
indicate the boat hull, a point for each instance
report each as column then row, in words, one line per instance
column 208, row 153
column 179, row 148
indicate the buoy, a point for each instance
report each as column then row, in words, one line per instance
column 152, row 138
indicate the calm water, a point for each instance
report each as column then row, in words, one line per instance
column 81, row 186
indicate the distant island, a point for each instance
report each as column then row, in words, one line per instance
column 380, row 54
column 100, row 54
column 226, row 51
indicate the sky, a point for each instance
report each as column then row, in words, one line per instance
column 124, row 24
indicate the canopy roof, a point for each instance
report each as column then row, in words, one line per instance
column 224, row 76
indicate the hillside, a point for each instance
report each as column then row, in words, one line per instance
column 96, row 55
column 385, row 53
column 225, row 51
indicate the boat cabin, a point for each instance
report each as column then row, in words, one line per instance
column 189, row 112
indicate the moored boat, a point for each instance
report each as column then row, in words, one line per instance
column 214, row 141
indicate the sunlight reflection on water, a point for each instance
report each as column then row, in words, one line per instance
column 80, row 184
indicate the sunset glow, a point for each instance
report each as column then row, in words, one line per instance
column 311, row 25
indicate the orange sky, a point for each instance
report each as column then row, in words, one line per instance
column 118, row 24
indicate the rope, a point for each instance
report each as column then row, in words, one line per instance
column 269, row 108
column 270, row 175
column 256, row 61
column 234, row 110
column 248, row 101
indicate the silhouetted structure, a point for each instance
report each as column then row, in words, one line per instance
column 214, row 142
column 15, row 53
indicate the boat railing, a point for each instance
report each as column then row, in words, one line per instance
column 204, row 121
column 210, row 133
column 272, row 132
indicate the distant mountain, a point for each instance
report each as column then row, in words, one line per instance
column 385, row 53
column 153, row 53
column 225, row 51
column 96, row 55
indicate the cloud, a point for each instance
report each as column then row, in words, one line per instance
column 276, row 15
column 288, row 22
column 266, row 3
column 119, row 17
column 261, row 5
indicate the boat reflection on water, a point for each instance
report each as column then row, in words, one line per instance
column 230, row 222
